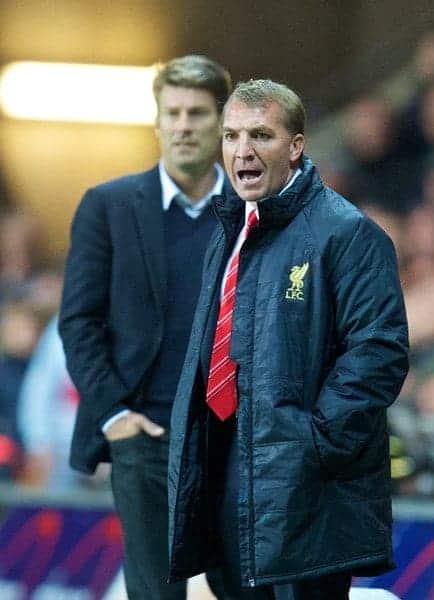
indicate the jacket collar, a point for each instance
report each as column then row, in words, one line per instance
column 275, row 211
column 149, row 184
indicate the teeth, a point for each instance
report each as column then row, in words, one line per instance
column 248, row 175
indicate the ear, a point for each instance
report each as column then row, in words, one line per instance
column 296, row 148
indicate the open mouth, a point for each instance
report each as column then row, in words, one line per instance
column 249, row 176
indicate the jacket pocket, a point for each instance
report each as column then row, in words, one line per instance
column 287, row 477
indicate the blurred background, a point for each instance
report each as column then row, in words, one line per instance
column 365, row 71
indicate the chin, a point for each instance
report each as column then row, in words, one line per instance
column 249, row 196
column 186, row 161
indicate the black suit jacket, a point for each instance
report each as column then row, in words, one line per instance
column 112, row 313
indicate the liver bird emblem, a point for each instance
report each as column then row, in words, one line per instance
column 297, row 275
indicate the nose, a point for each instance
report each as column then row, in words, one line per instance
column 244, row 149
column 183, row 122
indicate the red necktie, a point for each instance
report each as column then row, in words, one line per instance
column 221, row 393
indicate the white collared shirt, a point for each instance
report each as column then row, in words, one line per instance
column 170, row 190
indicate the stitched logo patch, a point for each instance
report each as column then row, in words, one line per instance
column 296, row 276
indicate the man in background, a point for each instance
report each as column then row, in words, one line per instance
column 131, row 283
column 279, row 445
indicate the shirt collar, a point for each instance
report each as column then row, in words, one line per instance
column 254, row 205
column 170, row 189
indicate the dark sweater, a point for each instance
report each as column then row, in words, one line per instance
column 186, row 241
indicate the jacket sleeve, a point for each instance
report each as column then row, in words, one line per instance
column 372, row 345
column 82, row 321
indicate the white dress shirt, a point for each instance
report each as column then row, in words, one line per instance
column 170, row 190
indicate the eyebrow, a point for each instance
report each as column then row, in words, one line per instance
column 251, row 129
column 189, row 108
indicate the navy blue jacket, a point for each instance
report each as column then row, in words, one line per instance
column 112, row 313
column 320, row 341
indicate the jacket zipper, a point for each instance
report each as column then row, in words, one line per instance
column 251, row 538
column 250, row 569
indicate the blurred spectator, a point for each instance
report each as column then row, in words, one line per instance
column 43, row 291
column 427, row 114
column 418, row 248
column 416, row 123
column 335, row 177
column 424, row 58
column 412, row 420
column 19, row 330
column 419, row 300
column 23, row 252
column 46, row 413
column 416, row 130
column 417, row 268
column 393, row 225
column 428, row 184
column 377, row 169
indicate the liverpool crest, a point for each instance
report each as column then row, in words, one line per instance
column 296, row 276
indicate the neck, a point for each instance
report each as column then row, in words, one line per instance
column 195, row 183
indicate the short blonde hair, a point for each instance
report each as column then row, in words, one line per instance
column 259, row 92
column 195, row 71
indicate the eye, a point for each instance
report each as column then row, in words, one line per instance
column 228, row 136
column 198, row 111
column 261, row 135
